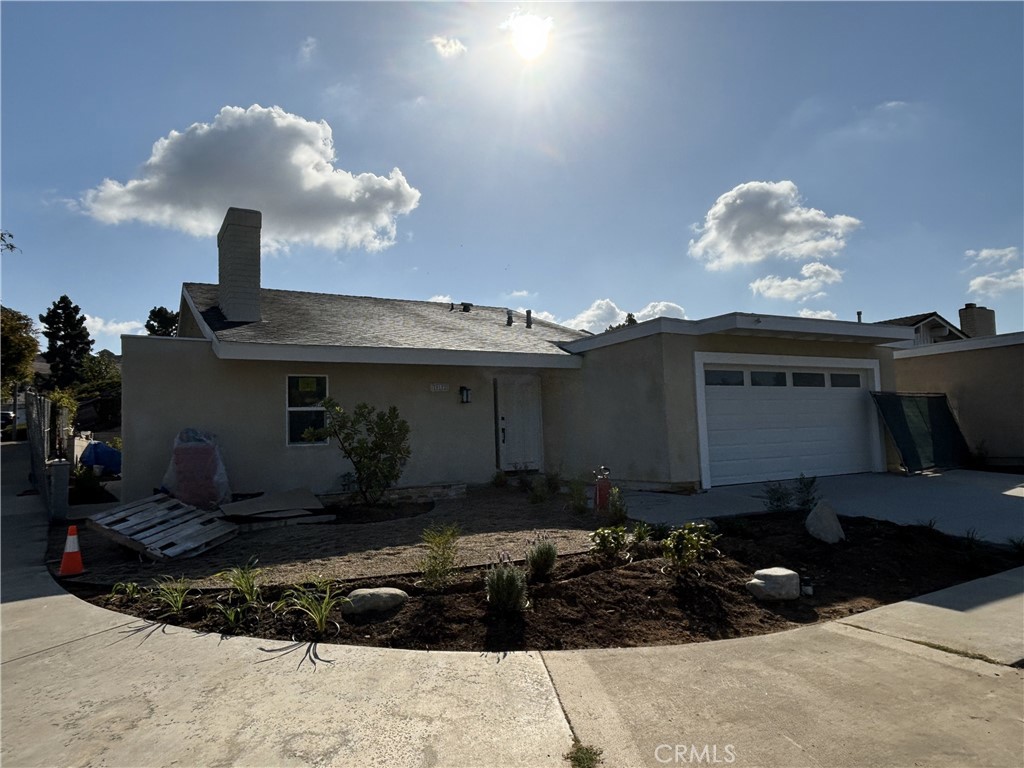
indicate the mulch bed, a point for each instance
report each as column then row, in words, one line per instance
column 590, row 603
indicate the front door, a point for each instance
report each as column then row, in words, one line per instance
column 519, row 431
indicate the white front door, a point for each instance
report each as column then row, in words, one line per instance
column 519, row 424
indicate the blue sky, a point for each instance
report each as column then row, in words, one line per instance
column 671, row 158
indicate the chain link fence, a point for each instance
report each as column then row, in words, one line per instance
column 49, row 432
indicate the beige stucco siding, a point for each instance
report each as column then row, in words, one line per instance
column 170, row 384
column 985, row 388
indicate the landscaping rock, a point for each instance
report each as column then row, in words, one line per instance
column 775, row 584
column 377, row 599
column 823, row 524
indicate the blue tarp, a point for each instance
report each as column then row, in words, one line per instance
column 101, row 453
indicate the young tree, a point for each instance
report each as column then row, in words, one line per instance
column 68, row 340
column 18, row 348
column 162, row 322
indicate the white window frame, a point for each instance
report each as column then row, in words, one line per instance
column 288, row 409
column 700, row 359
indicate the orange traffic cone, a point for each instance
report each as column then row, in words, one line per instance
column 71, row 563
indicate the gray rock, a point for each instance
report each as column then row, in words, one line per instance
column 376, row 599
column 775, row 584
column 823, row 524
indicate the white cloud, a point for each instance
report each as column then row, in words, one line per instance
column 442, row 298
column 262, row 158
column 306, row 50
column 520, row 294
column 97, row 326
column 760, row 220
column 819, row 314
column 815, row 277
column 994, row 256
column 660, row 309
column 997, row 283
column 448, row 47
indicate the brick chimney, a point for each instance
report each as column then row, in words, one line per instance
column 977, row 321
column 238, row 274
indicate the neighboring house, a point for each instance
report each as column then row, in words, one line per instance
column 665, row 403
column 929, row 328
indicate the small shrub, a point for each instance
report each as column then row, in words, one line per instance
column 660, row 531
column 538, row 490
column 689, row 545
column 244, row 579
column 777, row 497
column 583, row 756
column 553, row 480
column 127, row 588
column 541, row 555
column 806, row 496
column 641, row 532
column 617, row 509
column 116, row 443
column 506, row 588
column 173, row 593
column 578, row 496
column 499, row 479
column 442, row 558
column 316, row 602
column 610, row 542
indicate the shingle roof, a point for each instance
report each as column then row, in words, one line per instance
column 914, row 320
column 321, row 319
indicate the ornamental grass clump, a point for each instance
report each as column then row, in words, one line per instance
column 172, row 593
column 506, row 587
column 442, row 558
column 541, row 554
column 316, row 602
column 689, row 545
column 244, row 581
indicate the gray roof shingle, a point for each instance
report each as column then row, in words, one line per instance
column 321, row 319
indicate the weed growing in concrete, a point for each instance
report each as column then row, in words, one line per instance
column 541, row 554
column 583, row 756
column 442, row 558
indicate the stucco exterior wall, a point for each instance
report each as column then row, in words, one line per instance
column 169, row 384
column 985, row 388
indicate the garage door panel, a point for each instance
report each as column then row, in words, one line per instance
column 773, row 433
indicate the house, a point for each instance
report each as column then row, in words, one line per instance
column 929, row 328
column 666, row 403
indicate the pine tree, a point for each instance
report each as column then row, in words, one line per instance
column 69, row 343
column 162, row 322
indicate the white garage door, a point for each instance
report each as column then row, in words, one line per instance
column 774, row 423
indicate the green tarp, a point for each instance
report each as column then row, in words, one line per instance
column 924, row 430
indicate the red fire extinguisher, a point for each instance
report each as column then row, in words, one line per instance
column 602, row 488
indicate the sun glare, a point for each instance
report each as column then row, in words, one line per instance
column 529, row 33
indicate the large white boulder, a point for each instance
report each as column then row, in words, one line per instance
column 823, row 524
column 377, row 599
column 775, row 584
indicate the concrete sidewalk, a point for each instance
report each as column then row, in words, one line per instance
column 957, row 501
column 83, row 686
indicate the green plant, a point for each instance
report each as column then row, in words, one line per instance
column 578, row 495
column 541, row 554
column 777, row 497
column 233, row 615
column 116, row 443
column 538, row 490
column 127, row 588
column 442, row 558
column 617, row 509
column 244, row 579
column 172, row 593
column 554, row 482
column 583, row 756
column 610, row 542
column 660, row 531
column 689, row 545
column 506, row 587
column 806, row 496
column 499, row 479
column 641, row 532
column 376, row 442
column 316, row 602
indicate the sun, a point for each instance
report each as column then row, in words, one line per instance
column 529, row 33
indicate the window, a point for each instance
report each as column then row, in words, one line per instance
column 723, row 378
column 844, row 379
column 306, row 395
column 803, row 379
column 767, row 378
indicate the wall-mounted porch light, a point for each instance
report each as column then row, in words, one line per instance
column 465, row 395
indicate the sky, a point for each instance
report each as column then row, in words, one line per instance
column 579, row 160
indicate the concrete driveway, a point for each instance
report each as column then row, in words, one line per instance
column 989, row 503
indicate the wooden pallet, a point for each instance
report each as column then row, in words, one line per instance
column 163, row 528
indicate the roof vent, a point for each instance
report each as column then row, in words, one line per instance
column 529, row 318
